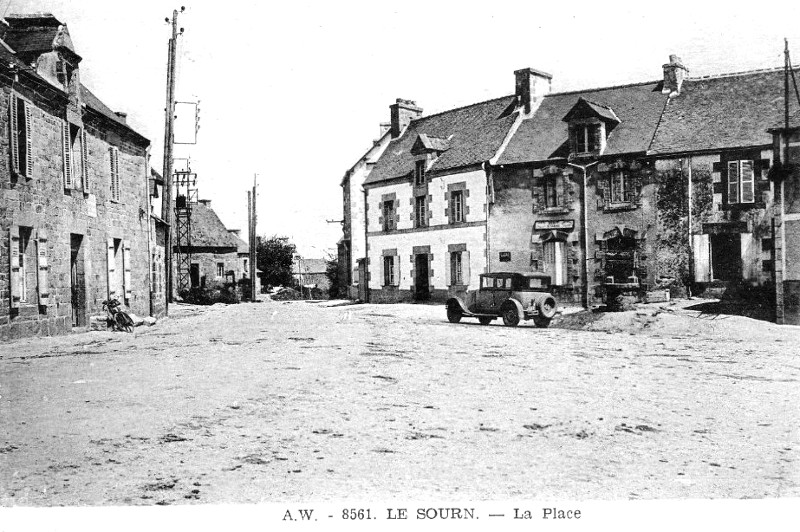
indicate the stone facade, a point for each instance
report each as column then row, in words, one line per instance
column 74, row 218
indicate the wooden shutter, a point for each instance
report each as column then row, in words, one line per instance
column 395, row 270
column 126, row 266
column 465, row 269
column 747, row 178
column 12, row 109
column 42, row 268
column 448, row 271
column 28, row 149
column 112, row 289
column 381, row 276
column 13, row 246
column 733, row 182
column 84, row 161
column 701, row 255
column 66, row 151
column 115, row 193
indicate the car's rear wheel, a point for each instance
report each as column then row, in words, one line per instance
column 454, row 313
column 510, row 316
column 486, row 320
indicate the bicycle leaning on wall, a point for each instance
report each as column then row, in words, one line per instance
column 120, row 320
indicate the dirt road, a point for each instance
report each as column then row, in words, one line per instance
column 295, row 401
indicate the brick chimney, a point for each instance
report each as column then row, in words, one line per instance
column 531, row 86
column 403, row 112
column 674, row 74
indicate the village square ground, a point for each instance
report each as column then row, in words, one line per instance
column 297, row 401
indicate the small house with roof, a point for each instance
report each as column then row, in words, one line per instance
column 73, row 189
column 214, row 250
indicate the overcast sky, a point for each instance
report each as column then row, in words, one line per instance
column 295, row 91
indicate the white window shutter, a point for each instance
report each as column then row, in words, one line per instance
column 12, row 109
column 396, row 271
column 112, row 275
column 381, row 274
column 66, row 146
column 42, row 268
column 449, row 269
column 13, row 245
column 84, row 161
column 465, row 269
column 733, row 182
column 747, row 177
column 127, row 278
column 28, row 148
column 702, row 258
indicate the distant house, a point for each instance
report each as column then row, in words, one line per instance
column 214, row 250
column 74, row 202
column 311, row 273
column 243, row 253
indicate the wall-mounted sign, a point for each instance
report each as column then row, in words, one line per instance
column 505, row 256
column 548, row 225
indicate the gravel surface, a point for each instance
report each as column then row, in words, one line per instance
column 294, row 401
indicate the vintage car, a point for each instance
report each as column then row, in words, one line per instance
column 512, row 296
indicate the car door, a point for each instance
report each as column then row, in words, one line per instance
column 484, row 299
column 501, row 293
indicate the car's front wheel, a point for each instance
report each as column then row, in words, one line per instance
column 454, row 313
column 510, row 316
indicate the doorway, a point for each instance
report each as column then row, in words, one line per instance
column 194, row 274
column 77, row 281
column 422, row 291
column 362, row 279
column 726, row 256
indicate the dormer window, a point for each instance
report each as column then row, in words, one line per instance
column 419, row 173
column 587, row 138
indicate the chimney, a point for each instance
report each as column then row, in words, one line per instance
column 674, row 74
column 403, row 112
column 206, row 202
column 123, row 117
column 531, row 86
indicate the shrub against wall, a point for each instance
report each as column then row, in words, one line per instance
column 672, row 242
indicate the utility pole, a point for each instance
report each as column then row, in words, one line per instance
column 253, row 241
column 169, row 137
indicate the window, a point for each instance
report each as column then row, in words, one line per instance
column 26, row 267
column 420, row 211
column 115, row 183
column 741, row 182
column 220, row 269
column 457, row 206
column 620, row 188
column 419, row 173
column 244, row 267
column 21, row 160
column 551, row 192
column 389, row 272
column 388, row 215
column 456, row 268
column 75, row 173
column 554, row 260
column 587, row 138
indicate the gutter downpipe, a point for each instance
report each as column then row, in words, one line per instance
column 585, row 231
column 366, row 248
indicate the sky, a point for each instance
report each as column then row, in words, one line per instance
column 295, row 91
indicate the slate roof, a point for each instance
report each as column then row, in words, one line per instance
column 728, row 111
column 474, row 134
column 208, row 230
column 544, row 136
column 243, row 247
column 34, row 32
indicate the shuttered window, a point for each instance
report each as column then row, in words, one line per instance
column 420, row 211
column 551, row 191
column 741, row 182
column 42, row 268
column 457, row 206
column 390, row 271
column 456, row 268
column 20, row 132
column 84, row 161
column 17, row 273
column 67, row 156
column 115, row 183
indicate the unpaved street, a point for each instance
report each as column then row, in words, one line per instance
column 296, row 401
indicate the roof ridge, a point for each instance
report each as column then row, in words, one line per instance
column 740, row 73
column 610, row 87
column 415, row 120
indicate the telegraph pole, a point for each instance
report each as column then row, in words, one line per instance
column 169, row 137
column 253, row 240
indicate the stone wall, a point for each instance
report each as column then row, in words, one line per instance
column 41, row 204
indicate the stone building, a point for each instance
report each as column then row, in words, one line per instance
column 214, row 250
column 74, row 189
column 351, row 249
column 630, row 187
